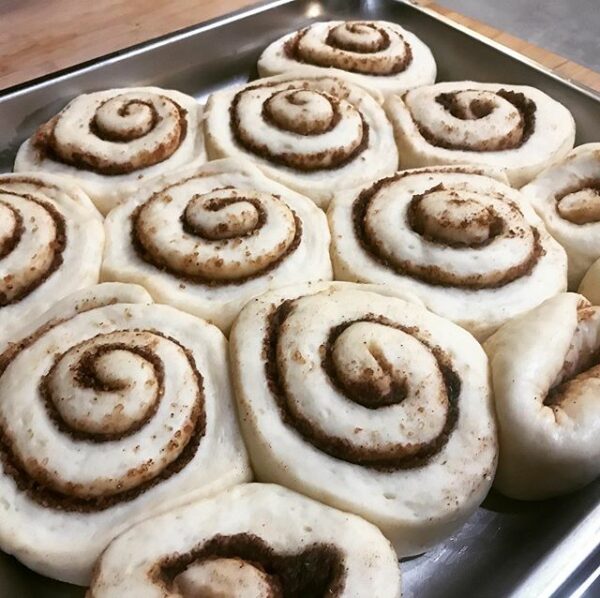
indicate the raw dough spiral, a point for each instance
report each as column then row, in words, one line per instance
column 368, row 403
column 567, row 198
column 206, row 239
column 376, row 54
column 112, row 409
column 468, row 245
column 546, row 379
column 116, row 139
column 252, row 541
column 312, row 133
column 515, row 127
column 51, row 241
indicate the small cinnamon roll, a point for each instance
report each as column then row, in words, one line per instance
column 468, row 245
column 368, row 403
column 113, row 140
column 112, row 409
column 376, row 54
column 314, row 134
column 252, row 541
column 515, row 127
column 546, row 378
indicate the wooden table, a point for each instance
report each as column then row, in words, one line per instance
column 41, row 36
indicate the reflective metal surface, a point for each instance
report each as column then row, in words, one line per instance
column 508, row 547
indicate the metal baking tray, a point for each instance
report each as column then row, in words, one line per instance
column 508, row 548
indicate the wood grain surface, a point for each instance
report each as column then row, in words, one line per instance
column 41, row 36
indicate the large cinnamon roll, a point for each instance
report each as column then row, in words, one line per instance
column 567, row 197
column 369, row 403
column 112, row 409
column 206, row 239
column 468, row 245
column 116, row 139
column 51, row 241
column 515, row 127
column 312, row 133
column 252, row 541
column 546, row 378
column 376, row 54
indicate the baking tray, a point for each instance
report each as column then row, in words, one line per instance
column 508, row 548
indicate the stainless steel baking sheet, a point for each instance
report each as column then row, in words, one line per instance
column 508, row 548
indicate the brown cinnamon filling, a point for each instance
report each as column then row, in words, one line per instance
column 86, row 376
column 318, row 571
column 431, row 274
column 304, row 162
column 479, row 109
column 46, row 145
column 346, row 62
column 142, row 248
column 10, row 242
column 57, row 247
column 384, row 459
column 130, row 134
column 38, row 487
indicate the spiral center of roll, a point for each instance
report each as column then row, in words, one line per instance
column 469, row 105
column 447, row 217
column 358, row 37
column 223, row 214
column 116, row 388
column 302, row 111
column 222, row 577
column 123, row 119
column 581, row 204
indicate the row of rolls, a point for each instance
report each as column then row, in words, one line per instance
column 195, row 297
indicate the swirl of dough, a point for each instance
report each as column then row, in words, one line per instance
column 465, row 243
column 51, row 242
column 123, row 406
column 311, row 133
column 251, row 541
column 548, row 412
column 206, row 239
column 567, row 197
column 364, row 401
column 517, row 128
column 111, row 140
column 376, row 54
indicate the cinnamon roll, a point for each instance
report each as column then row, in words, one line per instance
column 368, row 403
column 206, row 239
column 468, row 245
column 546, row 375
column 111, row 409
column 376, row 54
column 252, row 541
column 51, row 241
column 567, row 197
column 312, row 133
column 515, row 127
column 113, row 140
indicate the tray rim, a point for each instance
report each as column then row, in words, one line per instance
column 256, row 8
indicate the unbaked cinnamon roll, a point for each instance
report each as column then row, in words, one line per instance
column 252, row 541
column 515, row 127
column 314, row 134
column 206, row 239
column 567, row 197
column 546, row 376
column 368, row 403
column 468, row 245
column 112, row 409
column 51, row 241
column 376, row 54
column 113, row 140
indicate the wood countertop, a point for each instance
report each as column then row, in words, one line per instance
column 41, row 36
